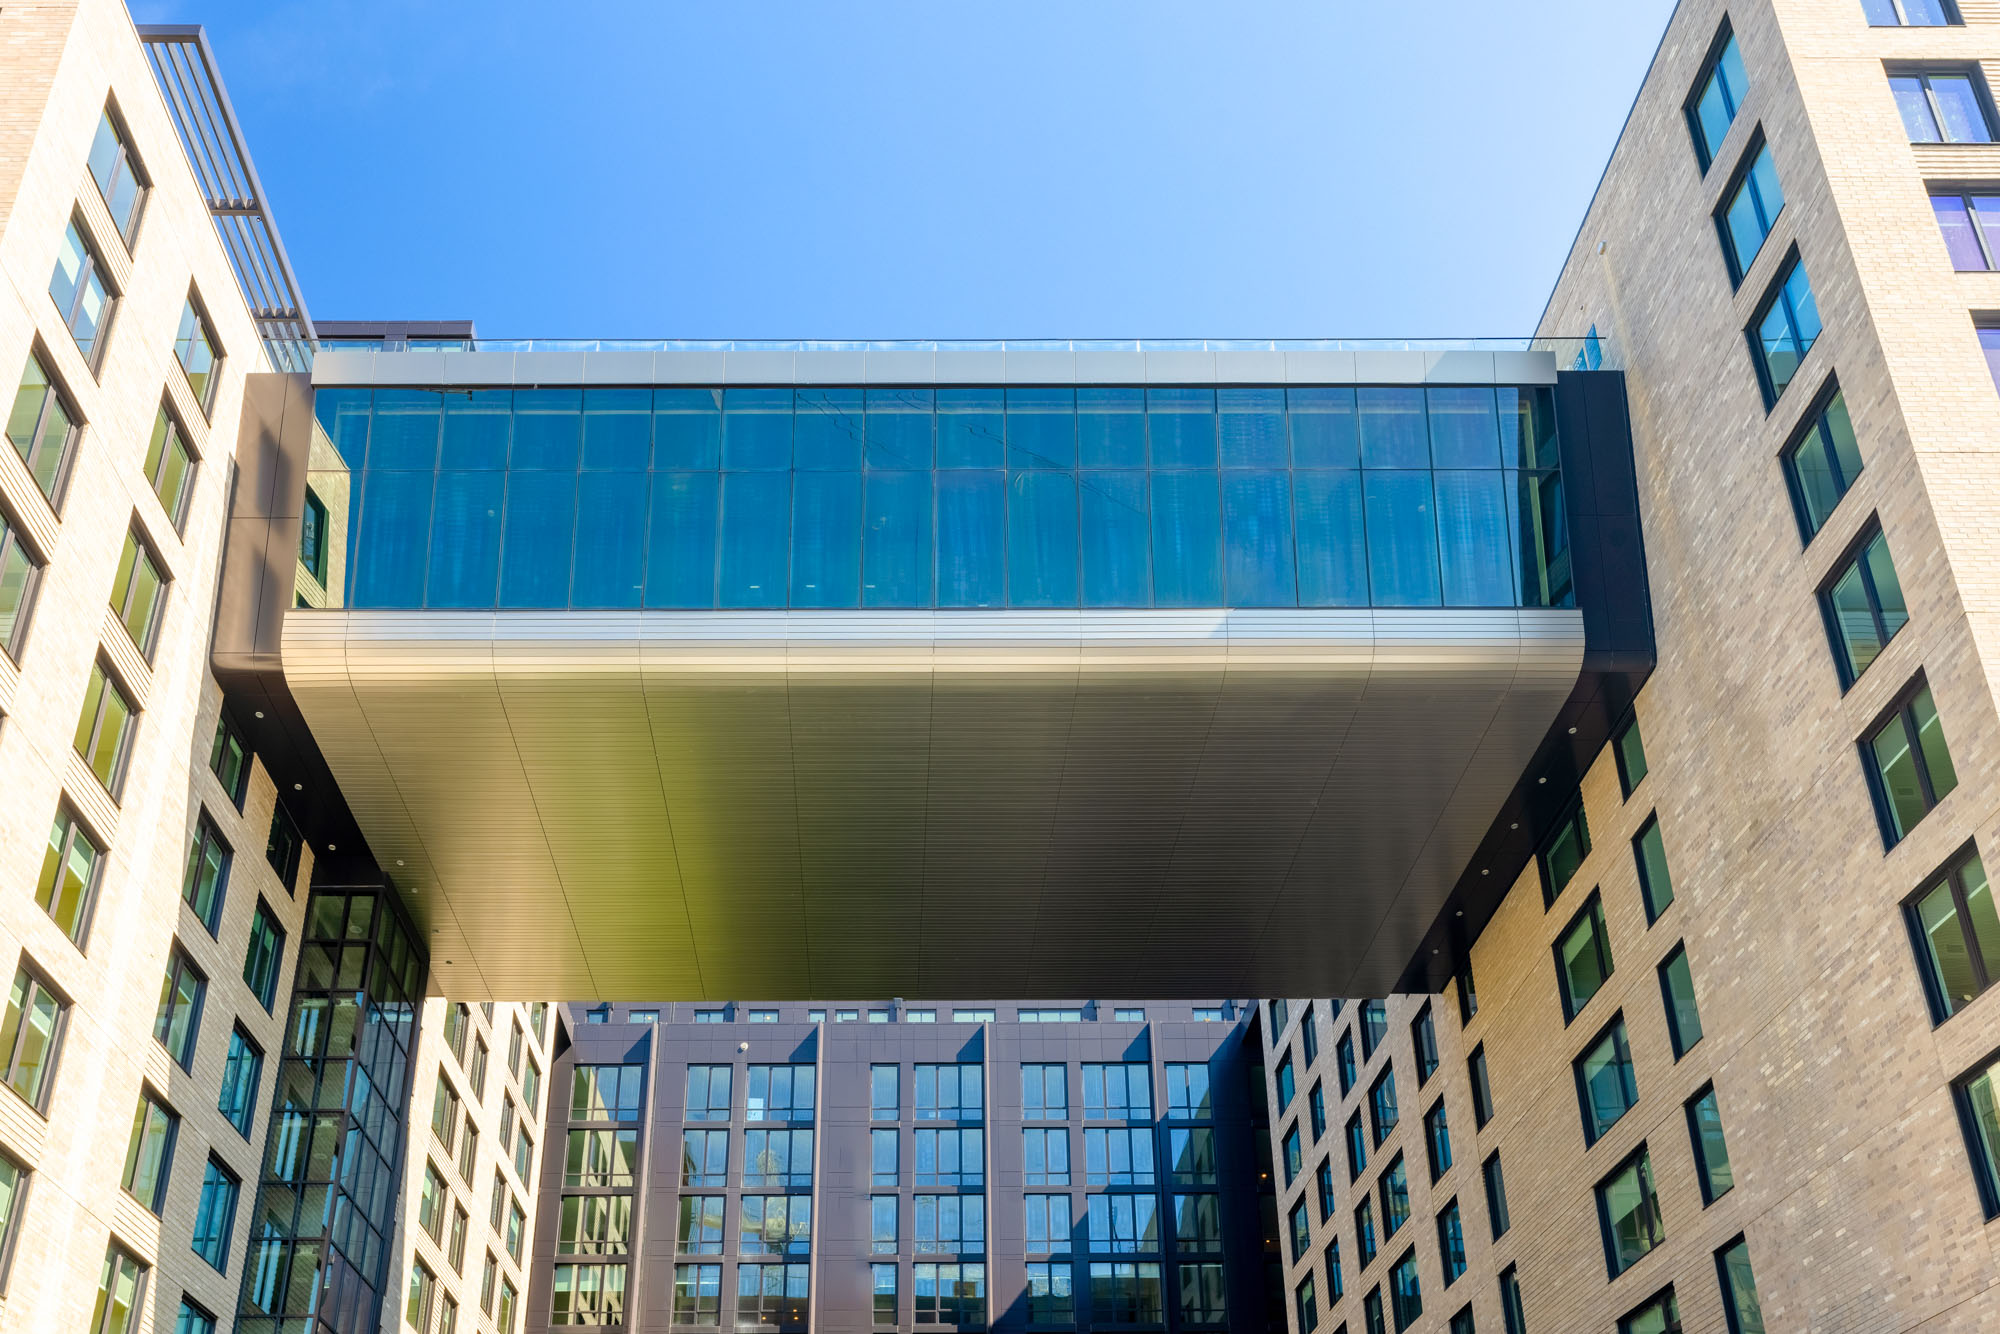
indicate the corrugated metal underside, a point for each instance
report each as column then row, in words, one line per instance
column 714, row 805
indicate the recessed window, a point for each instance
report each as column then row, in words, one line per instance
column 1629, row 1212
column 312, row 537
column 195, row 350
column 1374, row 1027
column 1451, row 1243
column 1364, row 1231
column 1280, row 1016
column 120, row 178
column 1909, row 13
column 1510, row 1301
column 83, row 299
column 1128, row 1016
column 20, row 573
column 215, row 1215
column 1822, row 464
column 120, row 1287
column 1989, row 343
column 586, row 1295
column 1122, row 1092
column 104, row 729
column 178, row 1017
column 1482, row 1089
column 29, row 1038
column 229, row 760
column 1719, row 91
column 1497, row 1216
column 1406, row 1297
column 1188, row 1096
column 1979, row 1113
column 139, row 593
column 1204, row 1298
column 1970, row 223
column 1958, row 936
column 1630, row 749
column 1658, row 1314
column 1711, row 1150
column 1656, row 884
column 242, row 1071
column 283, row 846
column 1606, row 1084
column 1468, row 993
column 263, row 956
column 1437, row 1139
column 1335, row 1283
column 956, row 1093
column 1357, row 1148
column 207, row 875
column 1301, row 1229
column 1309, row 1035
column 68, row 885
column 1045, row 1091
column 1739, row 1289
column 1343, row 1057
column 42, row 427
column 950, row 1157
column 1287, row 1082
column 1316, row 1109
column 149, row 1157
column 1942, row 106
column 1323, row 1182
column 1864, row 607
column 1382, row 1114
column 1785, row 329
column 1371, row 1312
column 1306, row 1304
column 1909, row 765
column 1749, row 211
column 1395, row 1188
column 1677, row 988
column 1423, row 1040
column 1562, row 852
column 1583, row 957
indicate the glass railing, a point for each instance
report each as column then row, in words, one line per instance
column 1556, row 345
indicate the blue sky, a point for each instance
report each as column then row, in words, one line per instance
column 944, row 169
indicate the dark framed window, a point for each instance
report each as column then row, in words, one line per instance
column 1451, row 1243
column 1335, row 1285
column 1822, row 463
column 1045, row 1092
column 1495, row 1181
column 1711, row 1150
column 1562, row 852
column 196, row 350
column 1862, row 602
column 120, row 177
column 1371, row 1312
column 264, row 956
column 1908, row 763
column 1437, row 1139
column 1364, row 1231
column 67, row 889
column 1677, row 990
column 242, row 1073
column 229, row 760
column 207, row 877
column 1323, row 1182
column 170, row 466
column 1343, row 1057
column 884, row 1170
column 1969, row 222
column 1628, row 1211
column 1979, row 1115
column 1382, row 1113
column 1583, row 957
column 1462, row 1322
column 1287, row 1082
column 1204, row 1297
column 1910, row 13
column 13, row 1196
column 1316, row 1110
column 1989, row 344
column 83, row 295
column 215, row 1215
column 1123, row 1156
column 884, row 1093
column 1606, row 1086
column 1395, row 1188
column 1406, row 1297
column 1947, row 105
column 1482, row 1088
column 43, row 427
column 1718, row 92
column 121, row 1290
column 1956, row 930
column 708, row 1093
column 1656, row 883
column 1658, row 1314
column 1309, row 1035
column 178, row 1017
column 1306, row 1304
column 1786, row 326
column 1301, row 1230
column 139, row 592
column 1423, row 1040
column 1749, row 209
column 31, row 1037
column 149, row 1157
column 284, row 846
column 1374, row 1027
column 104, row 729
column 1739, row 1288
column 1280, row 1016
column 1357, row 1148
column 1044, row 1156
column 20, row 575
column 1630, row 749
column 1510, row 1301
column 1468, row 993
column 312, row 537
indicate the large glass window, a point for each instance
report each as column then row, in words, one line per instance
column 1395, row 1189
column 149, row 1156
column 950, row 1158
column 707, row 1093
column 1942, row 106
column 20, row 572
column 1750, row 211
column 139, row 593
column 1382, row 1113
column 68, row 884
column 775, row 1225
column 777, row 1159
column 700, row 1222
column 215, row 1215
column 1864, row 607
column 1822, row 464
column 1711, row 1150
column 1293, row 1155
column 1044, row 1092
column 1786, row 327
column 1437, row 1139
column 1712, row 108
column 119, row 176
column 170, row 466
column 1629, row 1211
column 1357, row 1148
column 29, row 1036
column 950, row 1092
column 207, row 873
column 42, row 427
column 1364, row 1231
column 1583, row 957
column 120, row 1285
column 104, row 729
column 1970, row 224
column 698, row 1295
column 242, row 1072
column 1958, row 935
column 264, row 956
column 179, row 1012
column 612, row 1093
column 1562, row 852
column 952, row 1294
column 1482, row 1088
column 1423, row 1041
column 1287, row 1082
column 1495, row 1181
column 1374, row 1027
column 83, row 299
column 948, row 1223
column 1451, row 1243
column 1406, row 1298
column 1606, row 1084
column 1301, row 1229
column 1044, row 1156
column 1126, row 1294
column 1739, row 1289
column 229, row 759
column 195, row 350
column 587, row 1295
column 1118, row 1157
column 1305, row 1305
column 1909, row 766
column 609, row 1157
column 1204, row 1297
column 1909, row 13
column 1191, row 1155
column 1187, row 1091
column 1979, row 1111
column 1122, row 1092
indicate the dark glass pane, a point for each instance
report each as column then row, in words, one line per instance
column 1473, row 528
column 1402, row 537
column 756, row 511
column 1041, row 540
column 1253, row 427
column 611, row 534
column 1393, row 430
column 617, row 428
column 541, row 519
column 971, row 539
column 477, row 425
column 896, row 539
column 900, row 428
column 345, row 415
column 826, row 533
column 548, row 423
column 1257, row 529
column 1181, row 424
column 1111, row 428
column 1323, row 428
column 1465, row 428
column 756, row 430
column 687, row 428
column 406, row 429
column 1041, row 428
column 972, row 428
column 826, row 431
column 1187, row 531
column 1332, row 546
column 1116, row 539
column 680, row 554
column 465, row 538
column 395, row 523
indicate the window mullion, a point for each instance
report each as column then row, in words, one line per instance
column 1922, row 770
column 1973, row 953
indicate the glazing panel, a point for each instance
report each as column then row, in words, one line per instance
column 826, row 535
column 476, row 428
column 395, row 514
column 1253, row 427
column 1393, row 433
column 1332, row 542
column 406, row 429
column 465, row 537
column 1187, row 546
column 896, row 539
column 548, row 424
column 1111, row 427
column 826, row 430
column 610, row 536
column 1041, row 540
column 1116, row 539
column 687, row 428
column 617, row 428
column 1257, row 531
column 1465, row 428
column 1402, row 536
column 757, row 428
column 900, row 428
column 345, row 415
column 541, row 522
column 1041, row 428
column 971, row 538
column 1181, row 423
column 972, row 428
column 1478, row 560
column 755, row 512
column 1323, row 428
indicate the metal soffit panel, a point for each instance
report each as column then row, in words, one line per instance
column 722, row 804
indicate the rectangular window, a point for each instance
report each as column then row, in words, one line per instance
column 1371, row 1312
column 84, row 301
column 20, row 574
column 707, row 1093
column 1942, row 106
column 768, row 1295
column 1606, row 1085
column 1822, row 464
column 1126, row 1294
column 524, row 1156
column 698, row 1294
column 1309, row 1035
column 1335, row 1288
column 882, row 1157
column 1191, row 1153
column 1562, row 852
column 265, row 956
column 1784, row 330
column 242, row 1073
column 215, row 1216
column 477, row 1071
column 503, row 1311
column 613, row 1092
column 29, row 1037
column 1658, row 1314
column 1044, row 1156
column 587, row 1295
column 149, row 1157
column 517, row 1226
column 461, row 1223
column 1423, row 1039
column 1462, row 1322
column 170, row 466
column 1630, row 749
column 191, row 1319
column 1957, row 933
column 771, row 1017
column 1451, row 1244
column 42, row 427
column 950, row 1158
column 195, row 350
column 120, row 179
column 1863, row 606
column 1306, row 1305
column 710, row 1017
column 1749, row 211
column 432, row 1202
column 139, row 593
column 1677, row 988
column 1656, row 884
column 1301, row 1229
column 1287, row 1082
column 1204, row 1297
column 282, row 846
column 775, row 1225
column 884, row 1284
column 1468, row 993
column 778, row 1093
column 1739, row 1288
column 1910, row 13
column 1343, row 1054
column 883, row 1099
column 948, row 1223
column 1629, row 1212
column 312, row 537
column 1406, row 1298
column 1044, row 1092
column 1323, row 1185
column 1711, row 109
column 1510, row 1301
column 778, row 1159
column 1316, row 1110
column 1395, row 1187
column 1382, row 1113
column 1048, row 1223
column 444, row 1112
column 1357, row 1148
column 468, row 1151
column 1909, row 765
column 207, row 873
column 609, row 1157
column 1364, row 1232
column 120, row 1286
column 1711, row 1151
column 1374, row 1027
column 229, row 760
column 1117, row 1092
column 1122, row 1157
column 1437, row 1140
column 953, row 1295
column 700, row 1222
column 1280, row 1017
column 104, row 729
column 178, row 1016
column 950, row 1093
column 1583, row 957
column 1970, row 225
column 1187, row 1091
column 1497, row 1216
column 1482, row 1090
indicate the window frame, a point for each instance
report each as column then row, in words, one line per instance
column 1777, row 295
column 255, row 1056
column 51, row 1057
column 1481, row 1080
column 150, row 1098
column 263, row 915
column 1705, row 156
column 1437, row 1140
column 179, row 964
column 1952, row 17
column 66, row 450
column 1853, row 557
column 234, row 1189
column 13, row 538
column 1951, row 876
column 227, row 732
column 1704, row 1169
column 1591, row 914
column 155, row 470
column 1423, row 1041
column 1379, row 1126
column 1648, row 892
column 1627, row 784
column 128, row 159
column 1965, row 195
column 142, row 548
column 93, row 267
column 1924, row 71
column 1816, row 429
column 114, row 1251
column 86, row 909
column 206, row 833
column 1738, row 266
column 1681, row 1046
column 122, row 760
column 1902, row 712
column 1663, row 1299
column 1615, row 1032
column 1493, row 1178
column 205, row 397
column 1574, row 818
column 1638, row 1160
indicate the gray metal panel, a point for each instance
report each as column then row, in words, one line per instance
column 1041, row 367
column 822, row 367
column 532, row 368
column 1319, row 367
column 411, row 368
column 1389, row 367
column 757, row 367
column 1524, row 367
column 690, row 367
column 901, row 367
column 473, row 368
column 956, row 367
column 1173, row 367
column 1111, row 367
column 618, row 368
column 331, row 368
column 1249, row 367
column 1458, row 367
